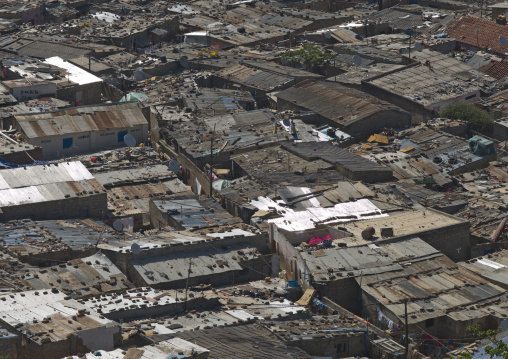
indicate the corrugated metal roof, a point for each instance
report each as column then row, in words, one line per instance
column 241, row 342
column 81, row 119
column 435, row 286
column 255, row 78
column 46, row 183
column 344, row 105
column 44, row 50
column 173, row 267
column 40, row 175
column 335, row 155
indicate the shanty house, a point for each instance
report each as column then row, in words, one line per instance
column 375, row 279
column 56, row 191
column 355, row 112
column 82, row 129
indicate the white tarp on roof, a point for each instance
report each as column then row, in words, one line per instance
column 76, row 74
column 292, row 220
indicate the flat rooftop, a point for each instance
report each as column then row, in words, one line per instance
column 404, row 223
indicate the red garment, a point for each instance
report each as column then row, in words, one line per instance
column 316, row 240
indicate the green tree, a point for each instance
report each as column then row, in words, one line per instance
column 474, row 116
column 309, row 55
column 496, row 349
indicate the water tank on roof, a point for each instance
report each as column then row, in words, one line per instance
column 480, row 146
column 368, row 232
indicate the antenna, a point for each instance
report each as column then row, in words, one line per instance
column 357, row 60
column 118, row 225
column 135, row 248
column 174, row 166
column 129, row 140
column 184, row 61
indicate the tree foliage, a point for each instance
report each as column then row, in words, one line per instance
column 309, row 55
column 496, row 349
column 474, row 116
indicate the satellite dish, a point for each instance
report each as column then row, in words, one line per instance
column 118, row 225
column 286, row 122
column 135, row 248
column 129, row 140
column 328, row 35
column 502, row 40
column 418, row 46
column 184, row 61
column 174, row 166
column 357, row 60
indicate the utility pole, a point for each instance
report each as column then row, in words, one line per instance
column 211, row 161
column 406, row 342
column 410, row 35
column 89, row 62
column 187, row 285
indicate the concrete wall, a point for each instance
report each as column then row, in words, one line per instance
column 499, row 131
column 363, row 127
column 34, row 15
column 200, row 303
column 385, row 119
column 345, row 346
column 99, row 338
column 121, row 260
column 475, row 165
column 497, row 10
column 162, row 69
column 259, row 95
column 284, row 244
column 445, row 47
column 256, row 269
column 485, row 248
column 80, row 95
column 402, row 102
column 23, row 157
column 91, row 205
column 8, row 347
column 72, row 345
column 86, row 142
column 345, row 292
column 172, row 25
column 33, row 92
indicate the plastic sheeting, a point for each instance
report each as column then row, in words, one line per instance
column 4, row 163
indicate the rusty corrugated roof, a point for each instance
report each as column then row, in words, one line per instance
column 81, row 119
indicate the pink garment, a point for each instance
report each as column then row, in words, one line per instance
column 316, row 240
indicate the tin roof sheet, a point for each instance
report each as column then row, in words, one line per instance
column 81, row 119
